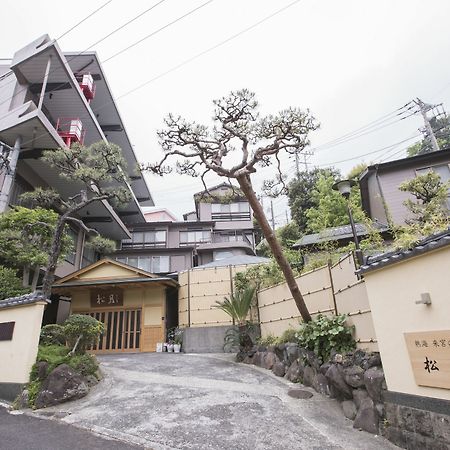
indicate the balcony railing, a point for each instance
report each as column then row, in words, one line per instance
column 135, row 245
column 227, row 216
column 71, row 130
column 237, row 236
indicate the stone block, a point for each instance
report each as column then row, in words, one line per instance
column 279, row 369
column 391, row 413
column 367, row 417
column 308, row 376
column 292, row 352
column 354, row 376
column 295, row 372
column 269, row 360
column 441, row 426
column 359, row 395
column 349, row 409
column 335, row 377
column 395, row 435
column 373, row 380
column 320, row 384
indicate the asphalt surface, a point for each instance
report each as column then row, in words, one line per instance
column 22, row 432
column 178, row 401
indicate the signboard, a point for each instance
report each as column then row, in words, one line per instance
column 429, row 352
column 6, row 331
column 106, row 297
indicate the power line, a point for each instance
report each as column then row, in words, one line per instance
column 83, row 20
column 210, row 49
column 157, row 31
column 85, row 50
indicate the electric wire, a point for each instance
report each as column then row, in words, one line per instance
column 192, row 11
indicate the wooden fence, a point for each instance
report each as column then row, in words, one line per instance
column 328, row 290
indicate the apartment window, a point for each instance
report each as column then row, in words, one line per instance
column 146, row 239
column 230, row 211
column 89, row 256
column 194, row 237
column 154, row 264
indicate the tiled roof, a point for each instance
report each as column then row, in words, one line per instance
column 238, row 260
column 23, row 300
column 428, row 244
column 335, row 234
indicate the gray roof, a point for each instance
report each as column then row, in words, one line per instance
column 77, row 283
column 433, row 242
column 25, row 299
column 335, row 234
column 238, row 260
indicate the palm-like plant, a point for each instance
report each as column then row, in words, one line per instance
column 238, row 307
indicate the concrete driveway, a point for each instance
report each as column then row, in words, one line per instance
column 178, row 401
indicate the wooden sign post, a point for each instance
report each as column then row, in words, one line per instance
column 429, row 352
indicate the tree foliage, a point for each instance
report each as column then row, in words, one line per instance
column 441, row 130
column 331, row 209
column 82, row 331
column 299, row 194
column 10, row 284
column 26, row 237
column 238, row 144
column 238, row 305
column 99, row 169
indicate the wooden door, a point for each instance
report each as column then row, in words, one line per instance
column 122, row 330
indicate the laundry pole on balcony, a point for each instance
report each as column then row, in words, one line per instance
column 9, row 175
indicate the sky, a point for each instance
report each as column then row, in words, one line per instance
column 352, row 63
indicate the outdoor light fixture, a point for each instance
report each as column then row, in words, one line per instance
column 344, row 187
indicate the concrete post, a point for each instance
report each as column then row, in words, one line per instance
column 44, row 84
column 10, row 175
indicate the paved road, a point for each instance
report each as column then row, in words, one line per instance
column 178, row 401
column 22, row 432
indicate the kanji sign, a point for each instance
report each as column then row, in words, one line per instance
column 106, row 297
column 429, row 352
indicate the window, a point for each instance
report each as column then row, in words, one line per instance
column 230, row 211
column 153, row 264
column 146, row 239
column 194, row 237
column 89, row 256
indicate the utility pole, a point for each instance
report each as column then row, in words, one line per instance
column 297, row 165
column 287, row 216
column 424, row 108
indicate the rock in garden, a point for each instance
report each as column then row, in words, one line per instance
column 280, row 351
column 335, row 377
column 349, row 409
column 354, row 376
column 313, row 360
column 269, row 360
column 374, row 380
column 295, row 372
column 62, row 384
column 372, row 361
column 367, row 417
column 258, row 359
column 324, row 367
column 22, row 399
column 308, row 376
column 279, row 369
column 320, row 384
column 42, row 369
column 359, row 395
column 292, row 352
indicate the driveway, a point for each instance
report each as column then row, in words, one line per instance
column 179, row 401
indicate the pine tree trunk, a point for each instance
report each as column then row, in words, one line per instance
column 247, row 188
column 55, row 251
column 26, row 276
column 36, row 271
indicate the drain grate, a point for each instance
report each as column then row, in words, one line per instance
column 299, row 393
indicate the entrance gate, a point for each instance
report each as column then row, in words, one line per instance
column 122, row 330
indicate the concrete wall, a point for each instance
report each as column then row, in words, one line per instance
column 204, row 339
column 392, row 292
column 327, row 290
column 18, row 355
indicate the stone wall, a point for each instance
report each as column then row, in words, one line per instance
column 357, row 381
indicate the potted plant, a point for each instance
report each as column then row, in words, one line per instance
column 178, row 340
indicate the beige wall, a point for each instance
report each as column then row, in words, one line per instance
column 325, row 290
column 18, row 355
column 392, row 293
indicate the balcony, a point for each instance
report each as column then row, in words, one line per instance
column 230, row 216
column 87, row 85
column 71, row 130
column 221, row 240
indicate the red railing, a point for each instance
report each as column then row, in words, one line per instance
column 71, row 130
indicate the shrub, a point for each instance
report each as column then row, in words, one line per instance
column 289, row 335
column 82, row 329
column 326, row 333
column 54, row 355
column 10, row 284
column 52, row 334
column 33, row 388
column 268, row 341
column 83, row 364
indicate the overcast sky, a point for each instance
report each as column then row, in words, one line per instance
column 350, row 62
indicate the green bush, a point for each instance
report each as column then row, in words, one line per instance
column 83, row 364
column 54, row 355
column 82, row 327
column 268, row 341
column 33, row 388
column 289, row 335
column 10, row 284
column 326, row 333
column 52, row 334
